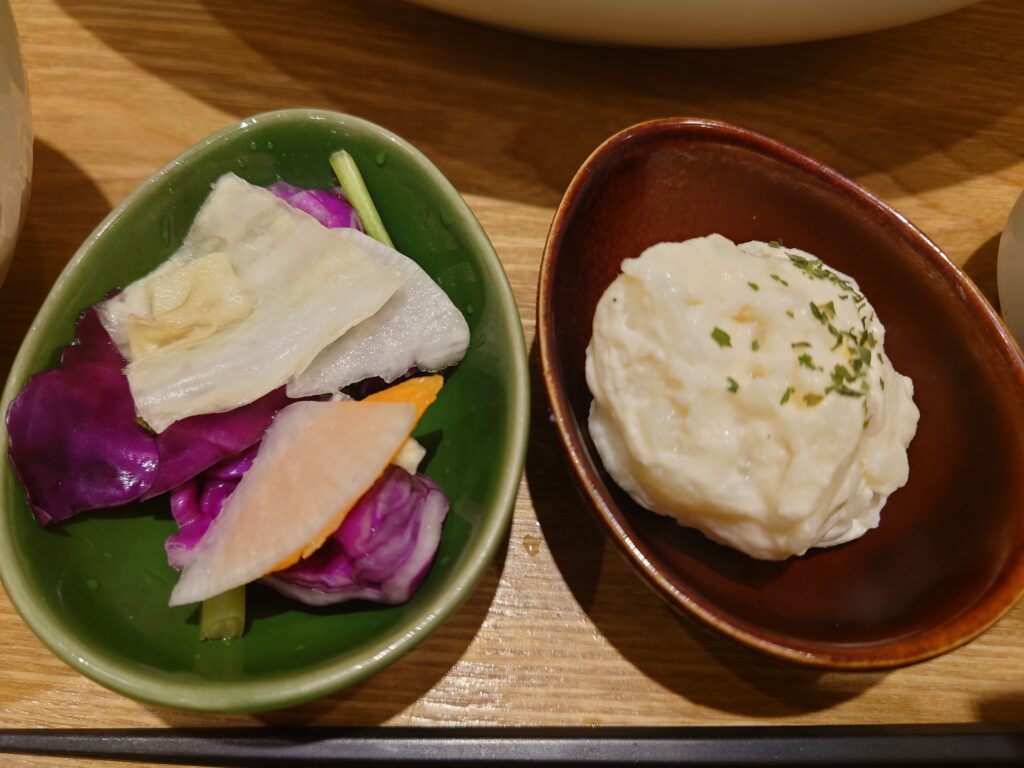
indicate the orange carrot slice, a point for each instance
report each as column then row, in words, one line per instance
column 421, row 392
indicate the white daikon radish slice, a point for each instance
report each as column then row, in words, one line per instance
column 316, row 460
column 418, row 327
column 335, row 290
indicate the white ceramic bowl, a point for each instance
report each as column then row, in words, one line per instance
column 695, row 23
column 15, row 139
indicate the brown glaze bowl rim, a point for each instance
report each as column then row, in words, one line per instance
column 883, row 655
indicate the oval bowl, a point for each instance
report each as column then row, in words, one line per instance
column 946, row 561
column 95, row 588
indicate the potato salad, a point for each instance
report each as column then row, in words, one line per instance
column 744, row 390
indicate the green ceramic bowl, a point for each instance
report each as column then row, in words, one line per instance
column 94, row 589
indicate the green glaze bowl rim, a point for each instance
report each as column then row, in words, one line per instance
column 292, row 687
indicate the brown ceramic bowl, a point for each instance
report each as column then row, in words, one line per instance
column 948, row 558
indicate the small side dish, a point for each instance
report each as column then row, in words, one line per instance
column 95, row 586
column 745, row 391
column 263, row 287
column 946, row 560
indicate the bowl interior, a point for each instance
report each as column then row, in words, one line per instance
column 95, row 589
column 946, row 560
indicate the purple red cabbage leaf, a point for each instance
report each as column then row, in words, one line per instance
column 195, row 503
column 189, row 446
column 75, row 443
column 329, row 207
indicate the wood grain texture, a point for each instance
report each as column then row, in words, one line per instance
column 560, row 631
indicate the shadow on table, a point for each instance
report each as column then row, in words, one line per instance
column 675, row 652
column 1006, row 708
column 64, row 207
column 513, row 117
column 387, row 693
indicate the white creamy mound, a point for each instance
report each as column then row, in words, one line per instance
column 745, row 391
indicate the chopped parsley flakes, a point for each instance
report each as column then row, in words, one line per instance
column 841, row 376
column 815, row 269
column 824, row 312
column 858, row 344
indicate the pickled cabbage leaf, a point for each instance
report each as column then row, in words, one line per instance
column 233, row 368
column 330, row 208
column 308, row 285
column 75, row 444
column 418, row 327
column 189, row 446
column 187, row 304
column 198, row 501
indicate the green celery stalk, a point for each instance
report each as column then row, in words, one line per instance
column 223, row 617
column 358, row 196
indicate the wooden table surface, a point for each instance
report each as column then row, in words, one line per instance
column 560, row 631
